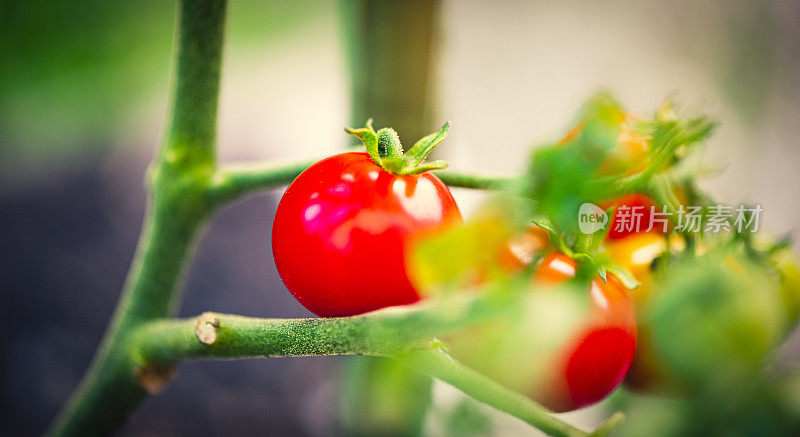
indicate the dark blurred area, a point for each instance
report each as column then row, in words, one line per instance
column 83, row 94
column 66, row 250
column 72, row 207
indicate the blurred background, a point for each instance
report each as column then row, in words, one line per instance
column 83, row 99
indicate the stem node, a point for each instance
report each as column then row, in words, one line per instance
column 206, row 328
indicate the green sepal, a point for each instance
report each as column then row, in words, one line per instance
column 419, row 151
column 623, row 275
column 367, row 136
column 393, row 164
column 555, row 236
column 544, row 223
column 433, row 165
column 602, row 272
column 386, row 150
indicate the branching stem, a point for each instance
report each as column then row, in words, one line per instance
column 403, row 334
column 380, row 333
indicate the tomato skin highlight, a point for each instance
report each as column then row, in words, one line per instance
column 595, row 361
column 341, row 230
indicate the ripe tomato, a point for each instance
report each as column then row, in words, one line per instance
column 596, row 359
column 341, row 230
column 632, row 215
column 636, row 253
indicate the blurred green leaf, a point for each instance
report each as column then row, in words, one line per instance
column 469, row 254
column 383, row 397
column 467, row 419
column 560, row 177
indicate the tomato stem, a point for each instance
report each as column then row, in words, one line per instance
column 117, row 382
column 403, row 334
column 435, row 362
column 234, row 181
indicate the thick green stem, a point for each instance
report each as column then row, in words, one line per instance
column 110, row 390
column 379, row 333
column 192, row 131
column 402, row 333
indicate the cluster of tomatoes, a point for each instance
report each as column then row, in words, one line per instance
column 344, row 227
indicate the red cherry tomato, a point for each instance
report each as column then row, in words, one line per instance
column 596, row 359
column 341, row 230
column 632, row 215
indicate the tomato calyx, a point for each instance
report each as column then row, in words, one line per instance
column 385, row 149
column 588, row 259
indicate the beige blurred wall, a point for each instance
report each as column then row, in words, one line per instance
column 513, row 73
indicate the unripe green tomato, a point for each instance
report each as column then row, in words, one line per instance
column 715, row 318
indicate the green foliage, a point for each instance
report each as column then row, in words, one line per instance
column 766, row 406
column 563, row 176
column 789, row 271
column 560, row 176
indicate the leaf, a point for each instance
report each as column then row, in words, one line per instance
column 562, row 177
column 464, row 256
column 459, row 257
column 544, row 223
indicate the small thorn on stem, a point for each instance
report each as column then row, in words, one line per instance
column 206, row 328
